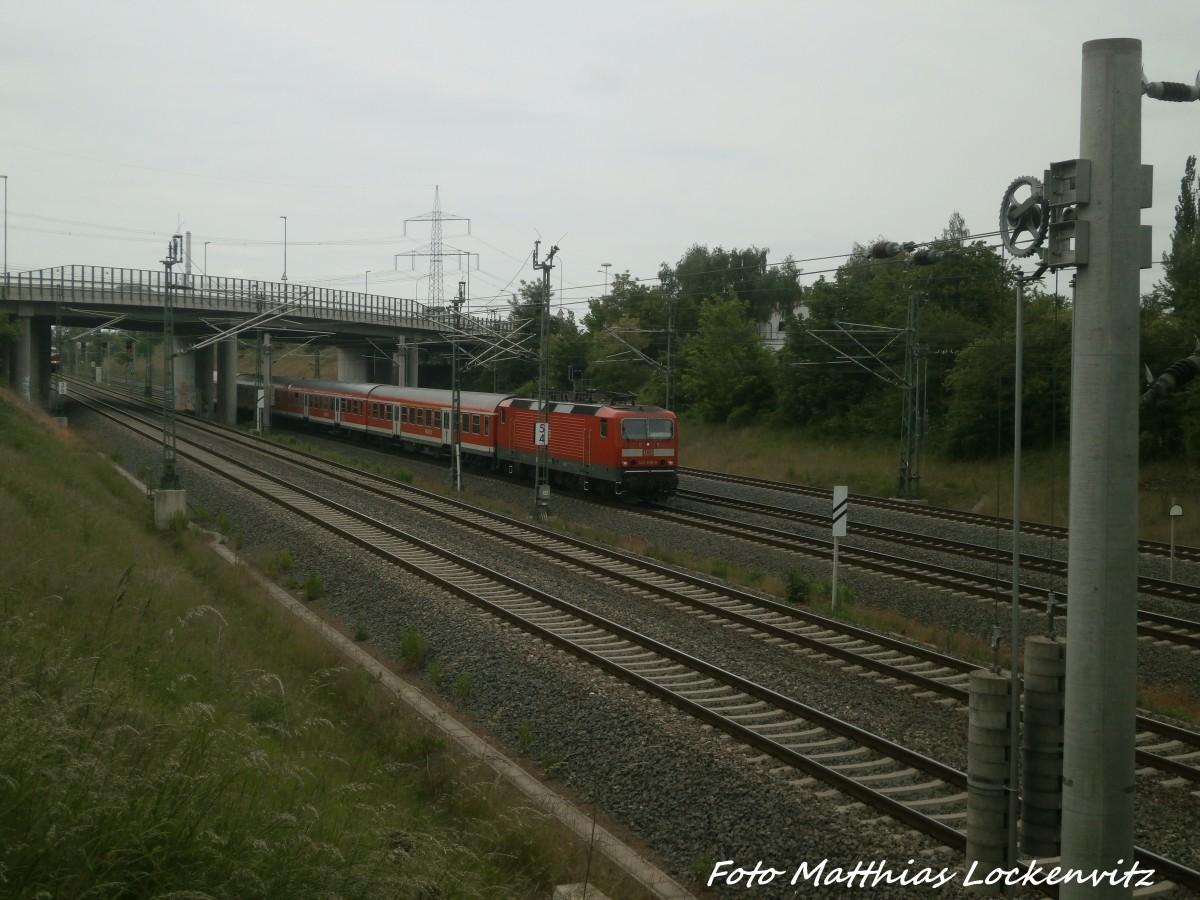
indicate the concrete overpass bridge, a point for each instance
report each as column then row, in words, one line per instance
column 210, row 312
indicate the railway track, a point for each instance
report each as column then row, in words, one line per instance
column 1152, row 625
column 1153, row 548
column 888, row 659
column 1052, row 568
column 892, row 779
column 913, row 789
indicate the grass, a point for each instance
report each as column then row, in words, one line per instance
column 868, row 467
column 166, row 730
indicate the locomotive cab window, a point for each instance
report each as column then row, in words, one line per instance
column 646, row 429
column 604, row 428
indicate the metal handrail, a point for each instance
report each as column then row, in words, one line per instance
column 134, row 286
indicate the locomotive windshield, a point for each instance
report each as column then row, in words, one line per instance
column 647, row 429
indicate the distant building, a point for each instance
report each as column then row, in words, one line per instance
column 773, row 331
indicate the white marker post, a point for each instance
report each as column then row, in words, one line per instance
column 841, row 504
column 1176, row 512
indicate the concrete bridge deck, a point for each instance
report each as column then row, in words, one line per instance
column 205, row 306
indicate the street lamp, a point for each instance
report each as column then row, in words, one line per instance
column 206, row 243
column 606, row 267
column 366, row 282
column 5, row 177
column 284, row 278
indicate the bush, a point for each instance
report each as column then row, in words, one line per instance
column 462, row 687
column 276, row 565
column 524, row 736
column 799, row 588
column 412, row 649
column 314, row 588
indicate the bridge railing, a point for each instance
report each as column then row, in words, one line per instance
column 139, row 287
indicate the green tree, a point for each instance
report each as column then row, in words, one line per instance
column 729, row 373
column 1170, row 319
column 702, row 274
column 956, row 231
column 980, row 389
column 1170, row 427
column 516, row 368
column 627, row 331
column 1180, row 284
column 852, row 388
column 817, row 385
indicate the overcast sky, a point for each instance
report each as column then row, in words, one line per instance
column 626, row 131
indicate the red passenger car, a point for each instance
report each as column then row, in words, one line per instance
column 626, row 451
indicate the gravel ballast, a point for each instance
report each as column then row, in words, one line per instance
column 683, row 789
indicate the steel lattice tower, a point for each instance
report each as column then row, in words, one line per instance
column 436, row 250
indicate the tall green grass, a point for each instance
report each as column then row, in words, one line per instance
column 986, row 486
column 166, row 731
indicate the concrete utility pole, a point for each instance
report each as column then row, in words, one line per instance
column 5, row 177
column 1098, row 751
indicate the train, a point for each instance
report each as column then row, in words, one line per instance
column 628, row 452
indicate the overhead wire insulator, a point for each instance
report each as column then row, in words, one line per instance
column 1172, row 91
column 888, row 249
column 1176, row 376
column 927, row 256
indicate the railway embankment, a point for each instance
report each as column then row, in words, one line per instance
column 166, row 727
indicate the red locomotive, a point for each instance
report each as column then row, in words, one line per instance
column 622, row 451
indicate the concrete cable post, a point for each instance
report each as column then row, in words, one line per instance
column 988, row 753
column 1042, row 746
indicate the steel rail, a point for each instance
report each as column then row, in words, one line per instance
column 638, row 572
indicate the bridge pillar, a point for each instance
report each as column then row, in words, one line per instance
column 185, row 379
column 22, row 358
column 30, row 376
column 352, row 364
column 203, row 379
column 227, row 372
column 405, row 363
column 43, row 338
